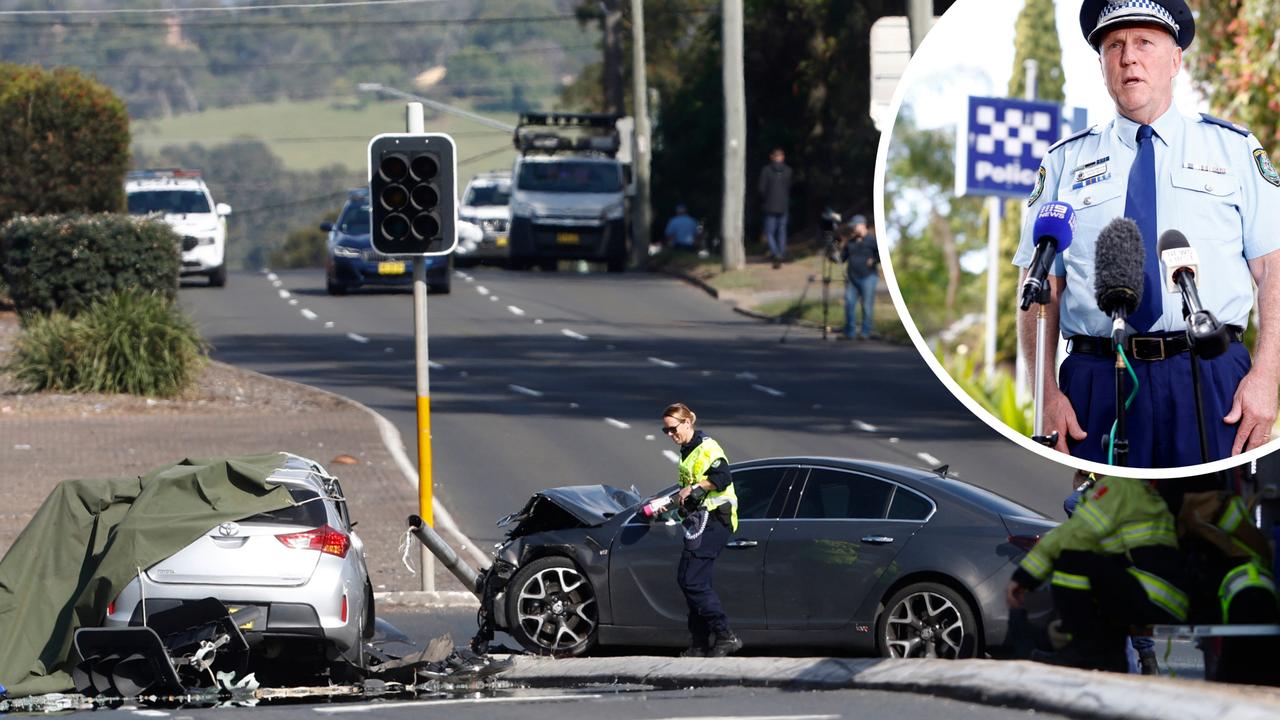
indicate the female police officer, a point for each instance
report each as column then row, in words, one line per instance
column 705, row 484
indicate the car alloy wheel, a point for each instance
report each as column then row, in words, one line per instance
column 928, row 620
column 552, row 608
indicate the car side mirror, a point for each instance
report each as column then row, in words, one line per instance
column 223, row 209
column 326, row 227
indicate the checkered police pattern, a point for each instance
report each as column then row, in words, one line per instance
column 1015, row 134
column 1125, row 8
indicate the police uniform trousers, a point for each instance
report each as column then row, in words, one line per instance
column 1160, row 425
column 697, row 560
column 1099, row 612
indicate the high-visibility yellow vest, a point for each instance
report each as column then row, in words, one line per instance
column 693, row 469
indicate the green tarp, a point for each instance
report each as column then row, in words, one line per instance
column 88, row 540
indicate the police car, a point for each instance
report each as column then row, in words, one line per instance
column 183, row 201
column 486, row 203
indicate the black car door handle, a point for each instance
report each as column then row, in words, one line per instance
column 877, row 539
column 742, row 544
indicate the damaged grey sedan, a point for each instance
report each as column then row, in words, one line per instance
column 830, row 553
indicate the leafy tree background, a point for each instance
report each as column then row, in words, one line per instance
column 1235, row 63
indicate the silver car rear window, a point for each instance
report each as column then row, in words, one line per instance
column 308, row 511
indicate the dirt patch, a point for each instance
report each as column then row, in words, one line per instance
column 220, row 389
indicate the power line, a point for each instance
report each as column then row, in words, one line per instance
column 221, row 8
column 270, row 24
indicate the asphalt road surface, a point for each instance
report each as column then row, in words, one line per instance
column 546, row 379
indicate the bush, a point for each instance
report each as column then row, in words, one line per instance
column 131, row 342
column 66, row 262
column 303, row 248
column 65, row 145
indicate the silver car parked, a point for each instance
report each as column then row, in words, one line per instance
column 296, row 575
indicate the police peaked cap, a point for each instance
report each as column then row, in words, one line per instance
column 1097, row 17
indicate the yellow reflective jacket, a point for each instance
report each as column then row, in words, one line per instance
column 693, row 469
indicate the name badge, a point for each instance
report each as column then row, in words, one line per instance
column 1205, row 168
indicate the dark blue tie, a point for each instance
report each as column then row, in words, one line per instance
column 1140, row 207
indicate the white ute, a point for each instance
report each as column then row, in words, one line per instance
column 183, row 201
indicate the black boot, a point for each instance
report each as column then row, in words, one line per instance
column 726, row 644
column 698, row 647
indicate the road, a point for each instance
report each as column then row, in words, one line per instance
column 544, row 379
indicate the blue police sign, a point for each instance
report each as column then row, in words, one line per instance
column 1002, row 143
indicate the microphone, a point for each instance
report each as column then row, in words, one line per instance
column 1054, row 228
column 1117, row 274
column 1207, row 336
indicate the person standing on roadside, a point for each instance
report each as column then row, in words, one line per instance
column 706, row 488
column 775, row 201
column 861, row 257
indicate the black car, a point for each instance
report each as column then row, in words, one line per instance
column 831, row 553
column 351, row 262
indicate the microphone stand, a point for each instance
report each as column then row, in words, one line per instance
column 1041, row 299
column 1195, row 388
column 1120, row 443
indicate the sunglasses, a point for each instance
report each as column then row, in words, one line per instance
column 671, row 430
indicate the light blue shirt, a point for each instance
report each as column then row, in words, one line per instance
column 1210, row 185
column 682, row 228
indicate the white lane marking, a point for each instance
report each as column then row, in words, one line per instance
column 672, row 456
column 746, row 376
column 388, row 349
column 459, row 273
column 706, row 373
column 931, row 460
column 328, row 323
column 537, row 321
column 493, row 298
column 893, row 440
column 663, row 363
column 515, row 311
column 864, row 427
column 284, row 294
column 648, row 437
column 276, row 283
column 470, row 279
column 272, row 276
column 434, row 365
column 482, row 290
column 575, row 335
column 358, row 338
column 573, row 406
column 768, row 390
column 618, row 424
column 293, row 301
column 525, row 391
column 307, row 314
column 378, row 707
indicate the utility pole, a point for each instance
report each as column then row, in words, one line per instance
column 640, row 211
column 611, row 73
column 735, row 138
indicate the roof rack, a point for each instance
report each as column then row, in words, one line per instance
column 582, row 133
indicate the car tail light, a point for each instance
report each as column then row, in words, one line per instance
column 111, row 608
column 1024, row 542
column 324, row 538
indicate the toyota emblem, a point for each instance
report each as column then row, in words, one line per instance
column 228, row 529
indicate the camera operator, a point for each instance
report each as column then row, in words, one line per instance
column 856, row 248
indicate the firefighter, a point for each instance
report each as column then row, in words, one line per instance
column 1112, row 565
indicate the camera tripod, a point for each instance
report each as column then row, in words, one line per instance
column 827, row 271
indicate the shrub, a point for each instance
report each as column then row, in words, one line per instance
column 130, row 342
column 66, row 262
column 65, row 145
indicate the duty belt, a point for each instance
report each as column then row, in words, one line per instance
column 1141, row 347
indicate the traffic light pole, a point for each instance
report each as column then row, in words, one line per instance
column 415, row 123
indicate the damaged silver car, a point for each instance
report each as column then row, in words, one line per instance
column 829, row 553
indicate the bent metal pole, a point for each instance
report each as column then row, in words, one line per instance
column 432, row 541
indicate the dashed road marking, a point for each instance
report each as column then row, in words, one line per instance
column 931, row 460
column 272, row 276
column 328, row 323
column 358, row 337
column 276, row 283
column 493, row 298
column 284, row 294
column 307, row 314
column 293, row 301
column 515, row 311
column 663, row 363
column 618, row 424
column 482, row 290
column 525, row 391
column 672, row 456
column 649, row 437
column 434, row 365
column 893, row 440
column 864, row 427
column 575, row 335
column 746, row 376
column 768, row 390
column 537, row 321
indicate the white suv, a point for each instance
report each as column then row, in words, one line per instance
column 183, row 200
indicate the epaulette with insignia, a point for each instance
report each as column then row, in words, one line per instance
column 1233, row 127
column 1069, row 138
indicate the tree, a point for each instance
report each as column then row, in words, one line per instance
column 1036, row 39
column 65, row 144
column 1235, row 63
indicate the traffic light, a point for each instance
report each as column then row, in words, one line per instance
column 412, row 184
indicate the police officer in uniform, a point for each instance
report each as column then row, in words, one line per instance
column 1112, row 565
column 1206, row 177
column 707, row 486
